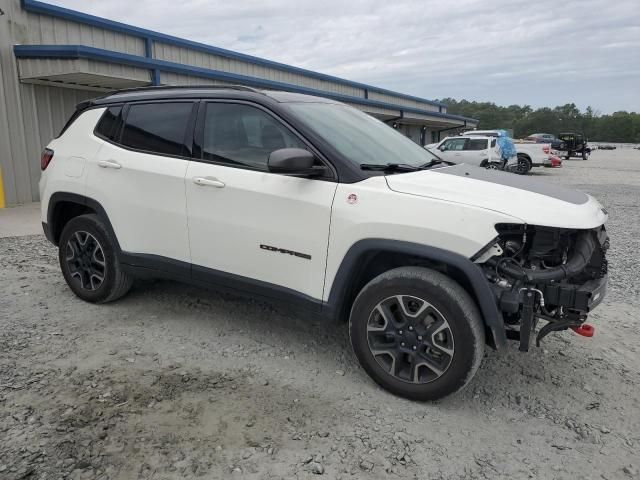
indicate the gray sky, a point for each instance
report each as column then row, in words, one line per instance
column 542, row 53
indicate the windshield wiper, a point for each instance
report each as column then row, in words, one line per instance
column 389, row 167
column 435, row 161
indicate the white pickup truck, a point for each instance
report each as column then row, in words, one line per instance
column 530, row 154
column 479, row 147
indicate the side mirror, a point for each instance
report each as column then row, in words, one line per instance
column 442, row 148
column 293, row 161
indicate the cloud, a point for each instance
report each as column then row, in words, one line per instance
column 539, row 53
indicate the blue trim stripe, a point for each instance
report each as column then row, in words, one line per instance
column 82, row 51
column 35, row 6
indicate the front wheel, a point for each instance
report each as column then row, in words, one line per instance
column 417, row 333
column 89, row 261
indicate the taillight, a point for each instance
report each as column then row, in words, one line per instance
column 45, row 159
column 546, row 149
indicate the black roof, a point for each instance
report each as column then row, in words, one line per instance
column 204, row 91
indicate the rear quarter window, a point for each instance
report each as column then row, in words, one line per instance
column 109, row 124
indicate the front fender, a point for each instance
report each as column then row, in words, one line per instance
column 480, row 290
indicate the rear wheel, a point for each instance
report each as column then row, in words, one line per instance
column 417, row 333
column 89, row 261
column 523, row 166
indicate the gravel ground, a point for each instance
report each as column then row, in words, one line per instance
column 179, row 382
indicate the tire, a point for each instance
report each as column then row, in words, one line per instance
column 433, row 341
column 89, row 261
column 524, row 165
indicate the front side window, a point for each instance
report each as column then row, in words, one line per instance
column 455, row 144
column 157, row 127
column 243, row 135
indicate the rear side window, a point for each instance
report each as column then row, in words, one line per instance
column 109, row 125
column 476, row 144
column 157, row 127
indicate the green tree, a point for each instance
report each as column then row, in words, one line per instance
column 620, row 127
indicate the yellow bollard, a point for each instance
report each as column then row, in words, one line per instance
column 2, row 201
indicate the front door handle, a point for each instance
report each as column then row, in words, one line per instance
column 208, row 182
column 109, row 164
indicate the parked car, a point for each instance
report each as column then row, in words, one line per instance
column 529, row 155
column 310, row 201
column 549, row 138
column 606, row 147
column 575, row 145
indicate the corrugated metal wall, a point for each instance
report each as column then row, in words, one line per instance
column 405, row 102
column 31, row 115
column 174, row 53
column 32, row 28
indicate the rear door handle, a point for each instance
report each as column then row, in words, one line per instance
column 208, row 182
column 109, row 164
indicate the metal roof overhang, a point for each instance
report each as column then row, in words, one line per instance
column 80, row 66
column 81, row 74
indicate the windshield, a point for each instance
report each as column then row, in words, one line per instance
column 359, row 137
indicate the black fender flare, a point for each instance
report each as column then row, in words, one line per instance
column 481, row 290
column 83, row 200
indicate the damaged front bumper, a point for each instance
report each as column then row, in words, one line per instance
column 562, row 295
column 583, row 298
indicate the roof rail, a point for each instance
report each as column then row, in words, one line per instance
column 184, row 87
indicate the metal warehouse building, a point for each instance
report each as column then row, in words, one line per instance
column 52, row 58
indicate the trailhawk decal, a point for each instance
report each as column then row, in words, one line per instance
column 284, row 250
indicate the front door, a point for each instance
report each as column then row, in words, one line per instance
column 451, row 149
column 245, row 223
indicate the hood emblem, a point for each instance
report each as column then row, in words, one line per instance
column 352, row 198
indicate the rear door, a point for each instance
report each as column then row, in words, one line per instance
column 138, row 176
column 246, row 224
column 475, row 151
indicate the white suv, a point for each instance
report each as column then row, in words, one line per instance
column 481, row 151
column 312, row 202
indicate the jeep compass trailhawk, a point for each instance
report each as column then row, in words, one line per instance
column 310, row 201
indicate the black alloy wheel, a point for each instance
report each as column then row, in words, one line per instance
column 86, row 261
column 410, row 339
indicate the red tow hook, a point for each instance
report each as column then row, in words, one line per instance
column 585, row 330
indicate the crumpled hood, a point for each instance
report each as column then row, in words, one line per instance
column 533, row 201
